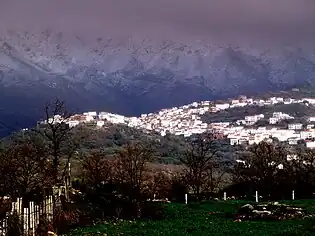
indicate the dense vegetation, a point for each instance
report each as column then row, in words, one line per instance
column 112, row 137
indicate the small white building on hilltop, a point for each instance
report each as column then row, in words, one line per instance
column 222, row 106
column 90, row 113
column 73, row 123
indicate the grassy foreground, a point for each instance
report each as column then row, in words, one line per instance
column 209, row 218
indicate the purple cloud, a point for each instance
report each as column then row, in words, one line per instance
column 161, row 18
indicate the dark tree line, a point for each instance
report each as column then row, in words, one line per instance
column 203, row 167
column 274, row 170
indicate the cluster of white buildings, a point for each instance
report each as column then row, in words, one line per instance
column 98, row 118
column 242, row 135
column 293, row 133
column 279, row 116
column 186, row 120
column 250, row 120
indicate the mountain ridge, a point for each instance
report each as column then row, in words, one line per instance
column 131, row 77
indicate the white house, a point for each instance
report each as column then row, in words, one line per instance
column 309, row 100
column 295, row 126
column 100, row 123
column 293, row 141
column 222, row 106
column 163, row 132
column 55, row 120
column 249, row 100
column 234, row 101
column 288, row 100
column 273, row 120
column 306, row 134
column 240, row 104
column 73, row 123
column 90, row 113
column 233, row 141
column 195, row 104
column 88, row 118
column 253, row 119
column 310, row 144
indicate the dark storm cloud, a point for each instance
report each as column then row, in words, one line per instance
column 164, row 17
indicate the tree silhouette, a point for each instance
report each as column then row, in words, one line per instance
column 261, row 165
column 201, row 162
column 24, row 167
column 97, row 168
column 56, row 131
column 132, row 166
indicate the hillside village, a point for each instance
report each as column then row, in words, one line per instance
column 186, row 120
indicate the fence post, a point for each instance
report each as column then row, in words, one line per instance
column 25, row 221
column 69, row 175
column 19, row 206
column 186, row 198
column 224, row 196
column 32, row 216
column 256, row 196
column 14, row 207
column 50, row 208
column 47, row 208
column 293, row 196
column 5, row 223
column 1, row 230
column 37, row 215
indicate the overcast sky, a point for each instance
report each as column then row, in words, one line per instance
column 200, row 18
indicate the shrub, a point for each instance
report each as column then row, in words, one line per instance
column 15, row 225
column 152, row 211
column 44, row 226
column 64, row 220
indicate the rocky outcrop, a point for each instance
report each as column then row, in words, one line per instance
column 269, row 211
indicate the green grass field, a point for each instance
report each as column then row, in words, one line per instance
column 210, row 218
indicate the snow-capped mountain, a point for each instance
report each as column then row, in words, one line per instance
column 129, row 76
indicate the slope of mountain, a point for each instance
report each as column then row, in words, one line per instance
column 131, row 76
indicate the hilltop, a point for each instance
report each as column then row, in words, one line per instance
column 271, row 111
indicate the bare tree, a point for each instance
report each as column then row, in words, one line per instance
column 97, row 168
column 55, row 130
column 160, row 183
column 24, row 168
column 201, row 162
column 132, row 165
